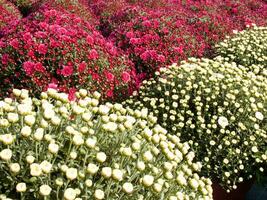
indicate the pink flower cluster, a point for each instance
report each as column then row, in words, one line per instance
column 157, row 33
column 52, row 48
column 8, row 14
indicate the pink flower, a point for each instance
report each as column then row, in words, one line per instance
column 28, row 67
column 145, row 56
column 90, row 40
column 67, row 70
column 82, row 67
column 53, row 86
column 134, row 41
column 161, row 58
column 109, row 93
column 39, row 67
column 14, row 43
column 93, row 54
column 71, row 95
column 42, row 49
column 130, row 34
column 125, row 77
column 109, row 76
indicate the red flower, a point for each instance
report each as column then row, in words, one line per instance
column 82, row 67
column 161, row 58
column 14, row 43
column 28, row 67
column 71, row 95
column 109, row 76
column 39, row 67
column 125, row 77
column 90, row 40
column 109, row 93
column 42, row 49
column 67, row 70
column 93, row 54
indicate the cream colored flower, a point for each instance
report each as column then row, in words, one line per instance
column 36, row 169
column 148, row 180
column 101, row 157
column 69, row 194
column 14, row 167
column 6, row 154
column 127, row 187
column 46, row 166
column 99, row 194
column 21, row 187
column 45, row 190
column 71, row 173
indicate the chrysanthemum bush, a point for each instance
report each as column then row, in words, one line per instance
column 158, row 34
column 53, row 148
column 57, row 49
column 219, row 108
column 8, row 14
column 247, row 48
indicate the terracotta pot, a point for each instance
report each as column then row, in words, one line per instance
column 239, row 194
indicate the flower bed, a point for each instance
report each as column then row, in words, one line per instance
column 156, row 35
column 247, row 48
column 216, row 106
column 56, row 49
column 53, row 148
column 8, row 14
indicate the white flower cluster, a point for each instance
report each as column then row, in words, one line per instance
column 247, row 48
column 55, row 149
column 219, row 108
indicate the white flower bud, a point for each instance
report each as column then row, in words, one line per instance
column 101, row 157
column 106, row 172
column 92, row 168
column 117, row 174
column 36, row 169
column 14, row 167
column 70, row 194
column 127, row 187
column 26, row 131
column 53, row 148
column 30, row 159
column 148, row 180
column 45, row 190
column 99, row 194
column 6, row 154
column 71, row 173
column 21, row 187
column 46, row 166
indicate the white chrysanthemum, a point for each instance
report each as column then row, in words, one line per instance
column 99, row 194
column 101, row 157
column 14, row 167
column 148, row 180
column 223, row 121
column 92, row 168
column 117, row 174
column 259, row 116
column 45, row 190
column 36, row 169
column 70, row 194
column 7, row 139
column 53, row 148
column 46, row 166
column 127, row 187
column 6, row 154
column 21, row 187
column 71, row 173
